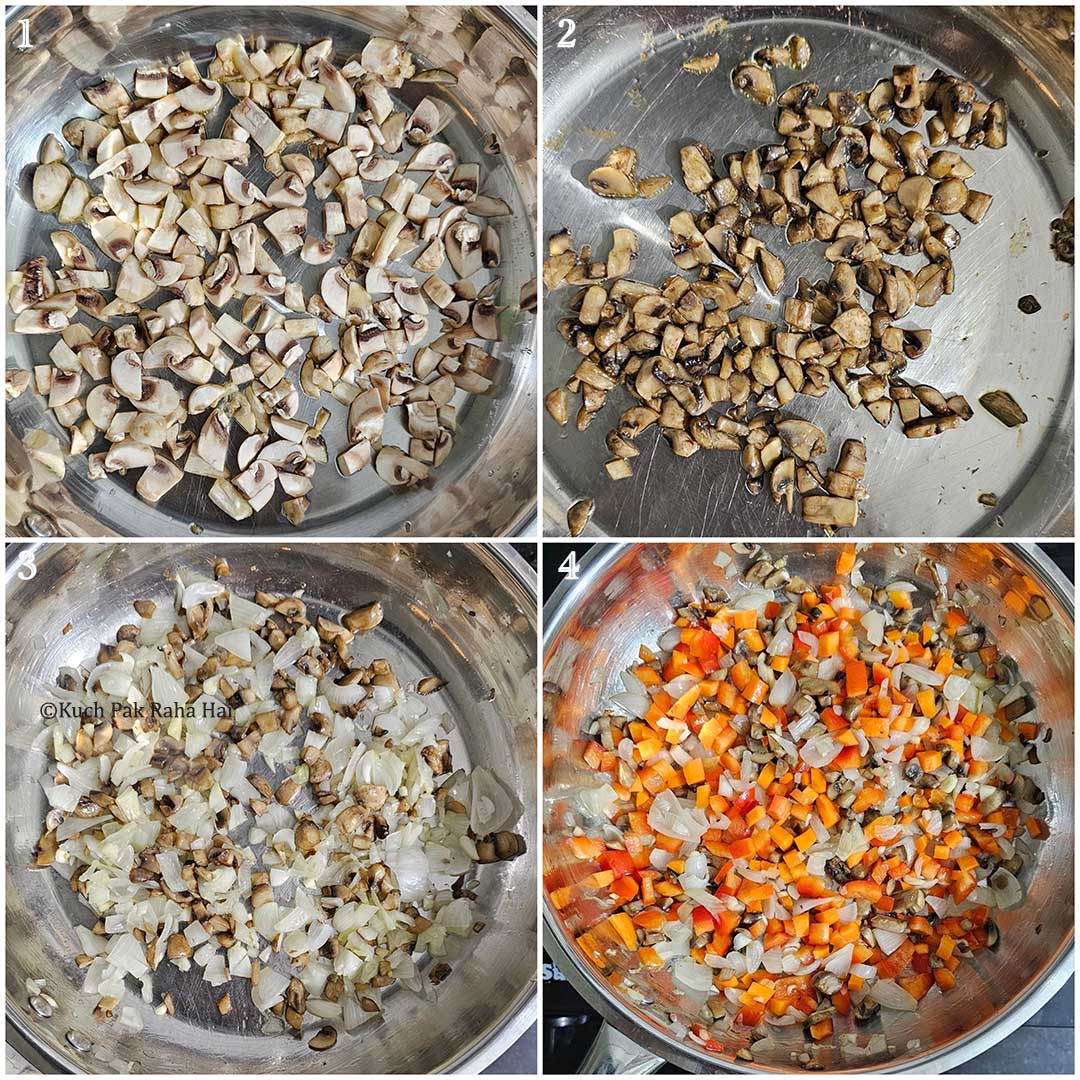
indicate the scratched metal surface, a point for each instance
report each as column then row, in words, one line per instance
column 622, row 83
column 466, row 612
column 487, row 486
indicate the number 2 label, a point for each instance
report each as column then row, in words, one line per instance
column 567, row 41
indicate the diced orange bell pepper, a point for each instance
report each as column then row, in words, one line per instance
column 855, row 678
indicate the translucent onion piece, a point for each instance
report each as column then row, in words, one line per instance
column 890, row 995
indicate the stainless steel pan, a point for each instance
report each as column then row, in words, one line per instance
column 487, row 486
column 623, row 597
column 622, row 83
column 467, row 612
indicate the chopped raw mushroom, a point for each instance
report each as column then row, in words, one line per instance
column 192, row 246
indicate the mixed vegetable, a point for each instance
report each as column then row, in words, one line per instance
column 813, row 800
column 234, row 791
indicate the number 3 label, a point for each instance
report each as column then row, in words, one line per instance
column 567, row 41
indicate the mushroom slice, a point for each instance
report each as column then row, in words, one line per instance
column 485, row 320
column 782, row 483
column 1002, row 405
column 213, row 442
column 193, row 368
column 830, row 510
column 115, row 237
column 257, row 476
column 339, row 94
column 803, row 439
column 291, row 430
column 397, row 469
column 427, row 120
column 132, row 285
column 754, row 82
column 295, row 484
column 128, row 454
column 33, row 283
column 328, row 124
column 49, row 186
column 40, row 321
column 577, row 517
column 315, row 252
column 235, row 334
column 46, row 458
column 288, row 227
column 165, row 351
column 16, row 382
column 157, row 397
column 162, row 271
column 249, row 449
column 151, row 82
column 267, row 135
column 853, row 327
column 409, row 297
column 128, row 163
column 126, row 372
column 158, row 479
column 355, row 458
column 463, row 248
column 195, row 225
column 295, row 510
column 245, row 242
column 224, row 495
column 334, row 289
column 239, row 188
column 204, row 397
column 287, row 190
column 433, row 157
column 147, row 192
column 65, row 388
column 51, row 150
column 107, row 95
column 422, row 419
column 71, row 210
column 366, row 416
column 200, row 97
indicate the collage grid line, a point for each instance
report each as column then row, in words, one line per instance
column 540, row 539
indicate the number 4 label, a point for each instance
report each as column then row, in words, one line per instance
column 567, row 41
column 569, row 567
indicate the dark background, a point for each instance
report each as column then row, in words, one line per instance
column 1043, row 1045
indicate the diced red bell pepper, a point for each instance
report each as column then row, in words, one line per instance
column 704, row 923
column 848, row 758
column 746, row 801
column 620, row 863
